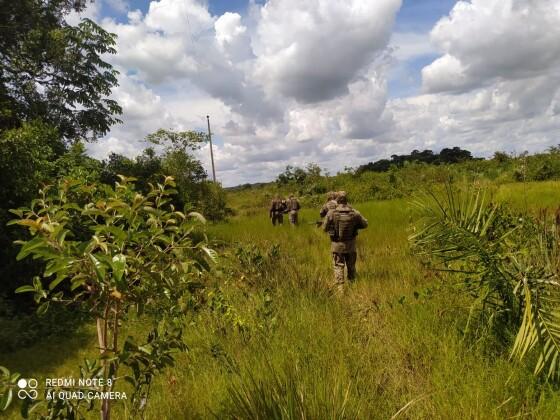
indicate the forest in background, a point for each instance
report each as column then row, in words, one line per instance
column 405, row 176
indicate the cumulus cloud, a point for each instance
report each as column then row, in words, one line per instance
column 485, row 40
column 497, row 84
column 408, row 45
column 229, row 28
column 91, row 12
column 312, row 50
column 143, row 113
column 177, row 59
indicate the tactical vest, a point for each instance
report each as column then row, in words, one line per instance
column 293, row 204
column 344, row 225
column 331, row 204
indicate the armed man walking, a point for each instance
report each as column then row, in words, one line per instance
column 293, row 208
column 342, row 224
column 277, row 210
column 330, row 204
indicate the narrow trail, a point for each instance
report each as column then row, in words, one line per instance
column 357, row 340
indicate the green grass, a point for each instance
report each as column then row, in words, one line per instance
column 531, row 195
column 391, row 346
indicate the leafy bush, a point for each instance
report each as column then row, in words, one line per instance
column 129, row 255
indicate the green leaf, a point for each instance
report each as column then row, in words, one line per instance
column 198, row 216
column 118, row 265
column 56, row 281
column 25, row 289
column 211, row 253
column 55, row 266
column 6, row 399
column 61, row 236
column 146, row 349
column 98, row 267
column 17, row 212
column 77, row 283
column 43, row 308
column 29, row 246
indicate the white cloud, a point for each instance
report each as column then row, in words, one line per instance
column 409, row 45
column 201, row 64
column 186, row 17
column 92, row 11
column 496, row 85
column 294, row 81
column 143, row 113
column 228, row 28
column 312, row 50
column 486, row 40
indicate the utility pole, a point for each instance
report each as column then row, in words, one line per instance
column 211, row 151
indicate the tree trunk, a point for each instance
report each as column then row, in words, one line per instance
column 102, row 327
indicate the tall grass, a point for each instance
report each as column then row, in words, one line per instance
column 391, row 347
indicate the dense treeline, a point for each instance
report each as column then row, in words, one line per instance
column 445, row 156
column 402, row 180
column 54, row 98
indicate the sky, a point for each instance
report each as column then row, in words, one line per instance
column 335, row 82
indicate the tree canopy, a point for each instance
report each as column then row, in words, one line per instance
column 445, row 156
column 53, row 72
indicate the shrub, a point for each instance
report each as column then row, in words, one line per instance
column 128, row 255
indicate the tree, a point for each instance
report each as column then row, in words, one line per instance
column 53, row 72
column 146, row 168
column 501, row 157
column 454, row 155
column 76, row 164
column 510, row 266
column 178, row 160
column 177, row 140
column 27, row 160
column 139, row 256
column 53, row 92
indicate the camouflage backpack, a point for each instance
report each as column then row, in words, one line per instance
column 344, row 224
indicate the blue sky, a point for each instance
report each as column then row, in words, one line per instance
column 417, row 16
column 216, row 7
column 421, row 15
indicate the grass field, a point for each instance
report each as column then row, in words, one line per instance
column 277, row 344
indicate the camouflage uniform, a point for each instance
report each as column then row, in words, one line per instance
column 293, row 208
column 342, row 224
column 276, row 212
column 329, row 205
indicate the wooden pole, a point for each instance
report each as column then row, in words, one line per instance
column 211, row 151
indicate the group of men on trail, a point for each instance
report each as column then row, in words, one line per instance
column 340, row 221
column 280, row 206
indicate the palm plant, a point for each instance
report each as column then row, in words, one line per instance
column 538, row 289
column 509, row 264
